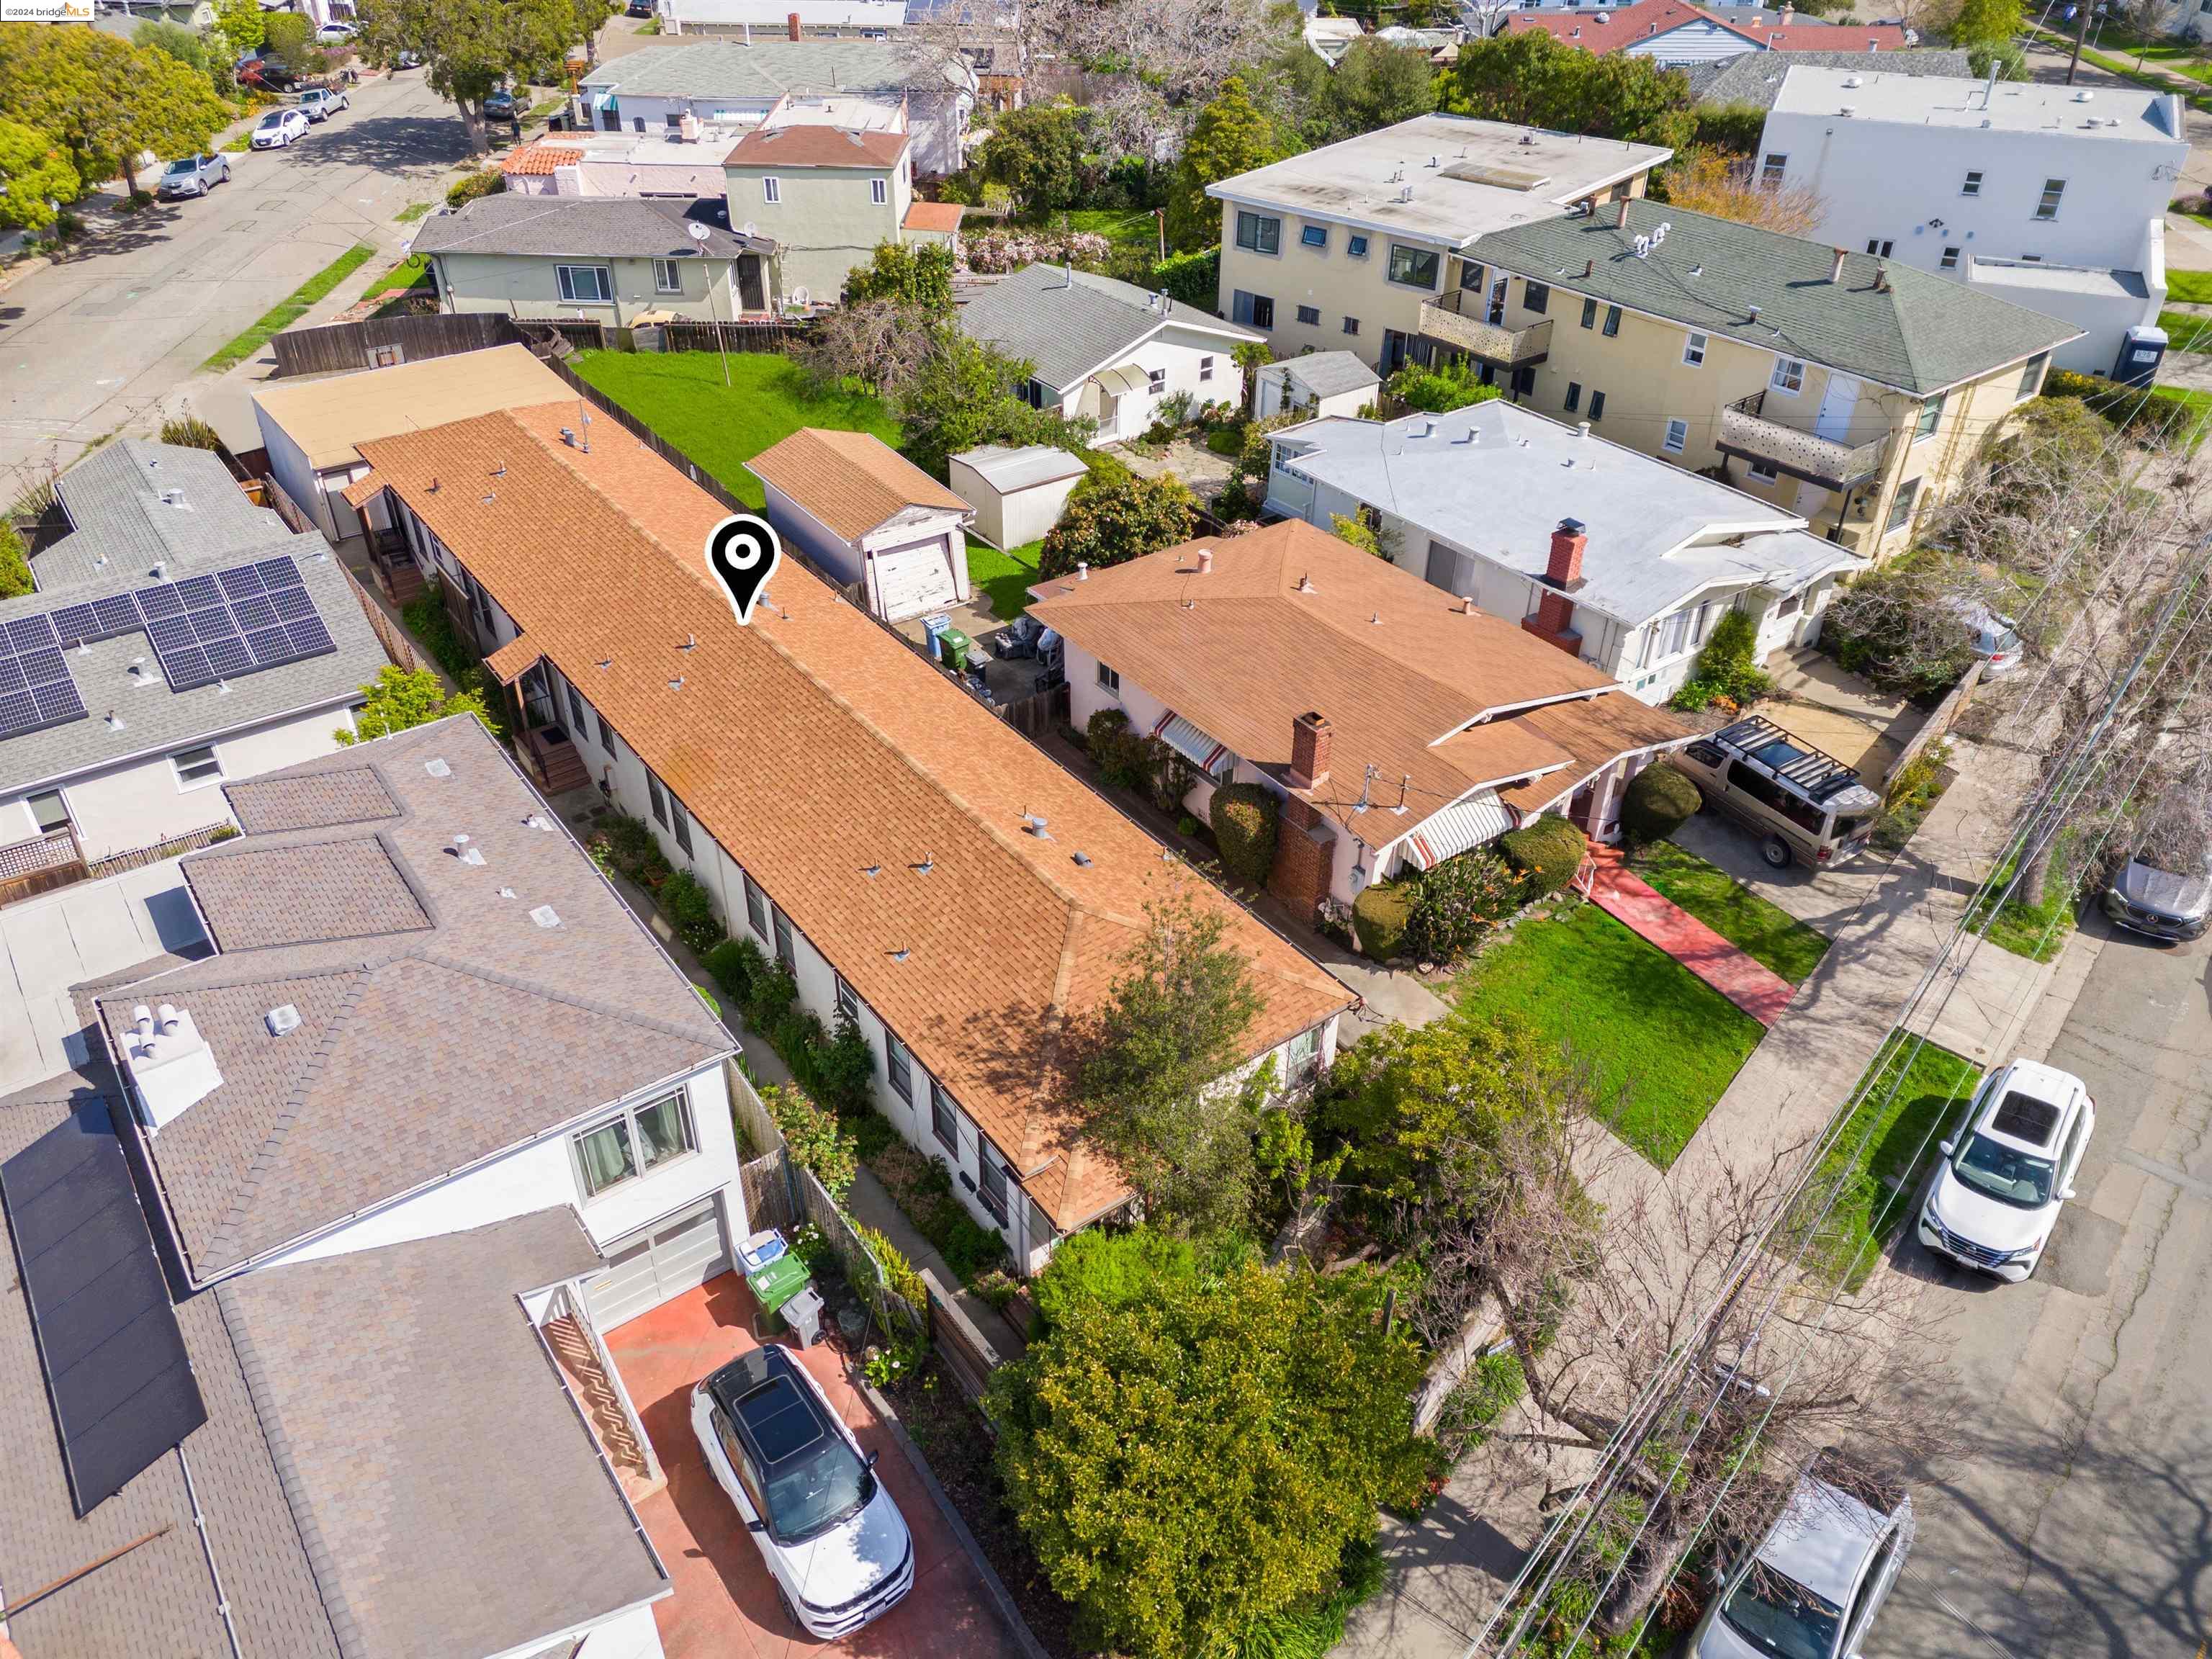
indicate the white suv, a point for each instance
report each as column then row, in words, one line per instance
column 831, row 1535
column 1997, row 1194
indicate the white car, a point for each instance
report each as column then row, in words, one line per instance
column 335, row 35
column 1813, row 1586
column 278, row 128
column 834, row 1540
column 1998, row 1191
column 317, row 105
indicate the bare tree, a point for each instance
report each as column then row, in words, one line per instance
column 880, row 342
column 1728, row 187
column 2147, row 20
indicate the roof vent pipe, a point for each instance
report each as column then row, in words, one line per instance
column 1081, row 570
column 1467, row 606
column 1620, row 214
column 1836, row 268
column 1205, row 561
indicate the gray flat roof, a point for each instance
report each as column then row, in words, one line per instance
column 762, row 69
column 1532, row 173
column 1495, row 479
column 2105, row 114
column 2034, row 275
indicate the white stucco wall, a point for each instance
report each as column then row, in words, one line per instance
column 1181, row 353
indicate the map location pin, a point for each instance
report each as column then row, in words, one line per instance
column 742, row 551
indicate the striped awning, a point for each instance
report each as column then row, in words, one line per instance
column 1462, row 825
column 1193, row 744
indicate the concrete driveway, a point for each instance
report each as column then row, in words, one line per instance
column 1840, row 713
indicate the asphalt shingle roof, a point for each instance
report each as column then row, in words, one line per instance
column 1881, row 321
column 1326, row 373
column 761, row 69
column 1067, row 324
column 853, row 482
column 113, row 498
column 1755, row 77
column 585, row 226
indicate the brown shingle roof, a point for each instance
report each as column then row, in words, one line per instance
column 815, row 746
column 320, row 801
column 1596, row 732
column 809, row 145
column 1626, row 25
column 303, row 891
column 853, row 482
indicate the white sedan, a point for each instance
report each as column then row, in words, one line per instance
column 278, row 128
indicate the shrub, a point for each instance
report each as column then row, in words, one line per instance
column 626, row 844
column 2158, row 411
column 845, row 1071
column 1186, row 825
column 736, row 964
column 15, row 564
column 1110, row 519
column 991, row 253
column 900, row 1275
column 1458, row 902
column 690, row 908
column 1725, row 669
column 818, row 1142
column 1103, row 1271
column 1547, row 853
column 1659, row 801
column 1379, row 918
column 486, row 181
column 1487, row 1389
column 190, row 432
column 1441, row 389
column 774, row 992
column 1117, row 751
column 1168, row 776
column 922, row 1186
column 1245, row 816
column 1193, row 278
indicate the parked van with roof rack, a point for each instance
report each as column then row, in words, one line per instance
column 1807, row 806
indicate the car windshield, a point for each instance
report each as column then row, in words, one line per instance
column 188, row 165
column 274, row 118
column 1778, row 1615
column 817, row 1489
column 2004, row 1173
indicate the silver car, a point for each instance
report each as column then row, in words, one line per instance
column 2163, row 903
column 1813, row 1586
column 194, row 176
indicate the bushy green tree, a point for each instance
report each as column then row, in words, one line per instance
column 15, row 564
column 1727, row 668
column 1547, row 852
column 1246, row 818
column 241, row 26
column 36, row 177
column 398, row 699
column 819, row 1143
column 1193, row 1460
column 185, row 45
column 1373, row 85
column 470, row 45
column 1232, row 134
column 1036, row 153
column 917, row 274
column 102, row 100
column 1659, row 801
column 1115, row 517
column 1458, row 902
column 1193, row 279
column 287, row 36
column 1529, row 77
column 1988, row 23
column 1439, row 389
column 960, row 394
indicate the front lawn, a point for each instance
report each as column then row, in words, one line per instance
column 1004, row 578
column 2187, row 331
column 1660, row 1044
column 680, row 395
column 2037, row 931
column 1761, row 929
column 407, row 274
column 2189, row 288
column 1885, row 1149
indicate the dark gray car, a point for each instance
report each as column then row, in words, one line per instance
column 2146, row 899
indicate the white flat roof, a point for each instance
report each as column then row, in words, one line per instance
column 1506, row 175
column 2118, row 114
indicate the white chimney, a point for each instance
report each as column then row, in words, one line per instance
column 1081, row 570
column 1205, row 561
column 170, row 1064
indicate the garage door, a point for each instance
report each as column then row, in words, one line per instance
column 656, row 1263
column 913, row 580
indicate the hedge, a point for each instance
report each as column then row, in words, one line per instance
column 1379, row 916
column 1245, row 816
column 1457, row 900
column 1660, row 800
column 1547, row 853
column 2164, row 411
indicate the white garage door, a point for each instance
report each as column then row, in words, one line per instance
column 657, row 1263
column 913, row 580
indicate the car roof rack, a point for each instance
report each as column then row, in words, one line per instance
column 1810, row 773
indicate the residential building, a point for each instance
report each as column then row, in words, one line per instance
column 180, row 636
column 859, row 19
column 733, row 84
column 918, row 864
column 867, row 517
column 1347, row 247
column 682, row 165
column 2051, row 197
column 1317, row 383
column 1866, row 385
column 1396, row 724
column 1676, row 34
column 1329, row 38
column 1755, row 77
column 1476, row 500
column 617, row 261
column 1107, row 350
column 829, row 197
column 1017, row 495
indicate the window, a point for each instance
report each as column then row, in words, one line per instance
column 1315, row 236
column 1612, row 321
column 771, row 190
column 1878, row 248
column 1931, row 411
column 660, row 801
column 1205, row 369
column 680, row 822
column 584, row 285
column 944, row 1120
column 48, row 811
column 1597, row 406
column 1156, row 381
column 2030, row 375
column 1589, row 314
column 1771, row 169
column 1694, row 351
column 1762, row 473
column 1253, row 310
column 848, row 1001
column 1536, row 295
column 1110, row 680
column 576, row 715
column 901, row 1067
column 1356, row 246
column 1675, row 633
column 1415, row 267
column 2047, row 206
column 1950, row 260
column 1789, row 376
column 606, row 735
column 1310, row 314
column 667, row 276
column 1678, row 437
column 879, row 191
column 1972, row 187
column 1352, row 325
column 786, row 952
column 1259, row 233
column 991, row 1184
column 1470, row 275
column 1302, row 1056
column 637, row 1143
column 1574, row 396
column 1901, row 510
column 197, row 767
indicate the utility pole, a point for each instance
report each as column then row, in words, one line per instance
column 2080, row 34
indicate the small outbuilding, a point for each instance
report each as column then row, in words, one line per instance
column 1319, row 384
column 1018, row 494
column 855, row 508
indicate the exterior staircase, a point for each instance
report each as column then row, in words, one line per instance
column 588, row 1380
column 554, row 758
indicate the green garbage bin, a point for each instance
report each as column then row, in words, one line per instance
column 777, row 1282
column 953, row 644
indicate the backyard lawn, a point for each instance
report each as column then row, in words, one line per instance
column 1659, row 1043
column 1121, row 227
column 2189, row 288
column 1761, row 927
column 680, row 395
column 1004, row 577
column 1885, row 1149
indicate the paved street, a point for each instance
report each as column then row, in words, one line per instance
column 90, row 345
column 2077, row 1521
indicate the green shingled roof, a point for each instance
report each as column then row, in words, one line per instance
column 1918, row 333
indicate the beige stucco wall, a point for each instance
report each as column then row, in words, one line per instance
column 826, row 222
column 529, row 288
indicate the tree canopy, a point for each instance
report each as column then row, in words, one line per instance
column 1232, row 135
column 1373, row 85
column 1036, row 152
column 470, row 45
column 103, row 100
column 241, row 26
column 1115, row 516
column 957, row 393
column 399, row 698
column 1530, row 77
column 34, row 175
column 909, row 274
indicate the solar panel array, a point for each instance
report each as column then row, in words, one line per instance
column 203, row 629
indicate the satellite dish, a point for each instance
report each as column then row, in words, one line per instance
column 799, row 296
column 698, row 233
column 750, row 231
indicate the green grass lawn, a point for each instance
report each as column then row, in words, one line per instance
column 412, row 212
column 1121, row 227
column 1882, row 1153
column 1761, row 927
column 1004, row 577
column 1659, row 1043
column 2037, row 931
column 681, row 396
column 2189, row 288
column 408, row 273
column 288, row 311
column 2187, row 331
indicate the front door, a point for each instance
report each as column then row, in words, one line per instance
column 1393, row 350
column 1834, row 422
column 752, row 292
column 1497, row 299
column 538, row 698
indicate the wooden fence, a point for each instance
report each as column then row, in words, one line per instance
column 759, row 334
column 966, row 1354
column 1035, row 716
column 380, row 344
column 1939, row 723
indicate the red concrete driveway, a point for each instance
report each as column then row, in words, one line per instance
column 725, row 1606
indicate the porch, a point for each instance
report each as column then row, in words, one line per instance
column 1748, row 434
column 1462, row 320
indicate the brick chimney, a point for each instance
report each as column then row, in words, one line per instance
column 1309, row 744
column 1565, row 568
column 791, row 22
column 1553, row 621
column 1553, row 618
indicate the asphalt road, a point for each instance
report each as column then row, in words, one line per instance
column 2075, row 1519
column 99, row 341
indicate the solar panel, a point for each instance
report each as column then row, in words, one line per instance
column 199, row 592
column 233, row 622
column 11, row 675
column 76, row 623
column 35, row 689
column 29, row 633
column 155, row 602
column 256, row 611
column 236, row 584
column 118, row 1375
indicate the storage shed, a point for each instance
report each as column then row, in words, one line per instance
column 854, row 508
column 1321, row 383
column 1017, row 494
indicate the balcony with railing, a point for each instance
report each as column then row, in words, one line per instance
column 1747, row 434
column 1459, row 321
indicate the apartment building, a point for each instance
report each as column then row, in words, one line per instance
column 1852, row 391
column 1350, row 248
column 2051, row 197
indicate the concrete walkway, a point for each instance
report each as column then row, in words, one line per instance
column 1651, row 916
column 871, row 1206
